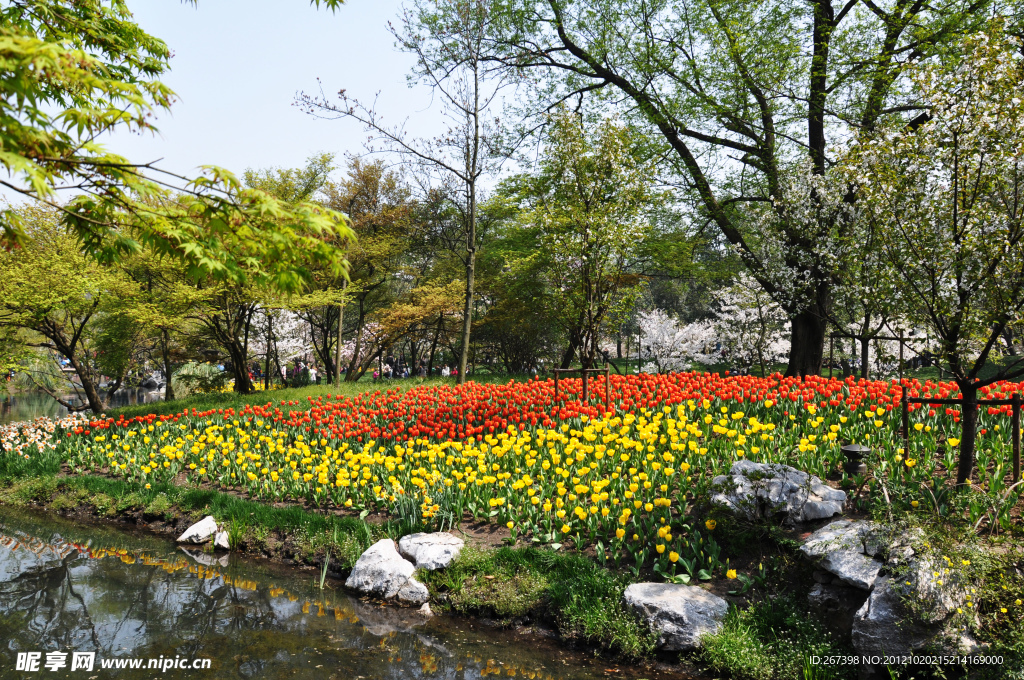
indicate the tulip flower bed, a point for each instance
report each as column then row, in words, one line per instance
column 36, row 436
column 632, row 481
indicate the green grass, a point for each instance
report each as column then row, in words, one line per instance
column 583, row 599
column 771, row 640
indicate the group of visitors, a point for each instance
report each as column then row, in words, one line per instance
column 391, row 370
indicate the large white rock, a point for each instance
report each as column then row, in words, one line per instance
column 763, row 490
column 381, row 571
column 854, row 569
column 430, row 551
column 413, row 593
column 200, row 532
column 221, row 542
column 679, row 614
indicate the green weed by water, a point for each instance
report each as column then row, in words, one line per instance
column 584, row 600
column 770, row 640
column 345, row 537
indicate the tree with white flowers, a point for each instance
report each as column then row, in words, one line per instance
column 752, row 328
column 950, row 191
column 670, row 347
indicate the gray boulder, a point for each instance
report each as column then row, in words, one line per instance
column 847, row 549
column 763, row 490
column 854, row 569
column 679, row 614
column 430, row 551
column 413, row 593
column 937, row 589
column 885, row 625
column 381, row 571
column 200, row 532
column 835, row 605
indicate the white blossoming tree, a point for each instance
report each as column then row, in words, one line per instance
column 669, row 347
column 752, row 328
column 950, row 191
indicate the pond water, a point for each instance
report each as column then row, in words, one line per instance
column 28, row 405
column 69, row 587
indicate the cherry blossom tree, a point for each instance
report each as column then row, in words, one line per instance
column 669, row 347
column 950, row 191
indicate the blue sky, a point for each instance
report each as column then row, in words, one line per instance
column 239, row 63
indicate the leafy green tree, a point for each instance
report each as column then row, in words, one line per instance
column 447, row 39
column 584, row 217
column 162, row 310
column 322, row 303
column 378, row 201
column 63, row 302
column 745, row 99
column 72, row 70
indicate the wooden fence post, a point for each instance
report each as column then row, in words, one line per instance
column 1016, row 437
column 586, row 394
column 607, row 388
column 831, row 346
column 556, row 387
column 905, row 402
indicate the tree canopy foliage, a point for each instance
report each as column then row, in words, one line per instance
column 743, row 98
column 72, row 71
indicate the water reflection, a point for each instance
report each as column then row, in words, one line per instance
column 28, row 405
column 81, row 588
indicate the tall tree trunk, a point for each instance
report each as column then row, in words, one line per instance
column 467, row 312
column 353, row 375
column 117, row 385
column 472, row 171
column 266, row 358
column 570, row 351
column 341, row 331
column 238, row 366
column 433, row 344
column 807, row 344
column 969, row 423
column 69, row 348
column 165, row 355
column 277, row 361
column 865, row 356
column 92, row 394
